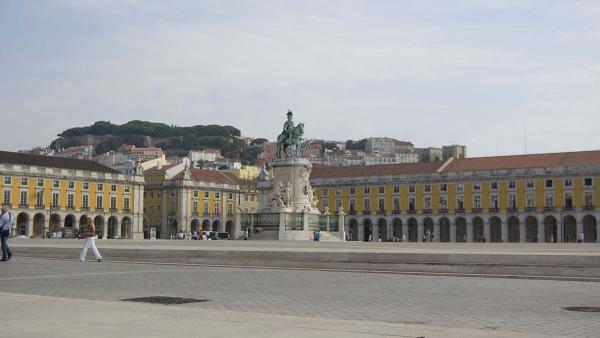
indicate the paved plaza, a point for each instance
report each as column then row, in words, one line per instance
column 47, row 295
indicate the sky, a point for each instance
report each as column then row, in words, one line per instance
column 502, row 77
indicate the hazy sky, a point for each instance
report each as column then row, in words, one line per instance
column 475, row 72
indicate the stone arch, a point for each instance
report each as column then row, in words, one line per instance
column 531, row 229
column 39, row 221
column 69, row 221
column 112, row 226
column 353, row 229
column 83, row 221
column 550, row 229
column 216, row 225
column 382, row 229
column 570, row 229
column 514, row 233
column 229, row 227
column 368, row 228
column 427, row 227
column 195, row 225
column 461, row 229
column 172, row 228
column 413, row 230
column 478, row 233
column 22, row 222
column 397, row 228
column 99, row 223
column 444, row 223
column 126, row 229
column 590, row 229
column 495, row 229
column 206, row 225
column 54, row 222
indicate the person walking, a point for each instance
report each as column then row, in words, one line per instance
column 6, row 221
column 90, row 242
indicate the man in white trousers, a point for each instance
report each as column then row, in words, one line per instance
column 90, row 241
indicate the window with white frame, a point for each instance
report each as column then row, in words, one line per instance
column 396, row 189
column 352, row 191
column 396, row 202
column 411, row 188
column 549, row 201
column 70, row 200
column 217, row 208
column 587, row 182
column 494, row 186
column 206, row 206
column 86, row 186
column 24, row 181
column 476, row 186
column 530, row 200
column 113, row 203
column 6, row 199
column 55, row 199
column 23, row 197
column 325, row 204
column 99, row 202
column 494, row 201
column 381, row 204
column 126, row 203
column 530, row 184
column 195, row 206
column 338, row 192
column 588, row 199
column 366, row 190
column 548, row 183
column 367, row 204
column 568, row 182
column 427, row 188
column 56, row 184
column 443, row 187
column 512, row 185
column 460, row 187
column 512, row 201
column 85, row 203
column 443, row 202
column 40, row 182
column 39, row 198
column 477, row 201
column 195, row 193
column 460, row 202
column 7, row 180
column 325, row 192
column 412, row 205
column 100, row 187
column 569, row 199
column 381, row 189
column 113, row 187
column 126, row 188
column 427, row 202
column 352, row 204
column 71, row 185
column 229, row 209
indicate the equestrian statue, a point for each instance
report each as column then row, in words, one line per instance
column 289, row 142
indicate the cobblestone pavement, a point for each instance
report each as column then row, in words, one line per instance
column 525, row 306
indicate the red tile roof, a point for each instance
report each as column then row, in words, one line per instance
column 578, row 158
column 215, row 176
column 325, row 172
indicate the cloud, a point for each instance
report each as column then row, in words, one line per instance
column 434, row 72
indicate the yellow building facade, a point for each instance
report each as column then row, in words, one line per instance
column 52, row 197
column 522, row 198
column 182, row 199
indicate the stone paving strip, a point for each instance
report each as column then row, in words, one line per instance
column 42, row 316
column 479, row 306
